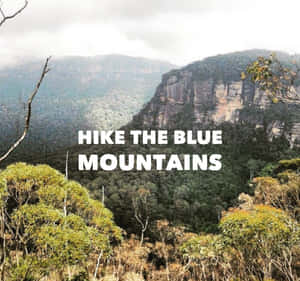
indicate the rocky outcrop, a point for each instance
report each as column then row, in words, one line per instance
column 211, row 92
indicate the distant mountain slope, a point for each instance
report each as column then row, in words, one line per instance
column 211, row 92
column 99, row 92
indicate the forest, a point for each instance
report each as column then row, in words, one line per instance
column 240, row 223
column 52, row 229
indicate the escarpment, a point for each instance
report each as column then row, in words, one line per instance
column 211, row 92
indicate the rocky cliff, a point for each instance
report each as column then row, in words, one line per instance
column 211, row 92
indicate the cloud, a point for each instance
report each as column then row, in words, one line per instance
column 175, row 30
column 54, row 14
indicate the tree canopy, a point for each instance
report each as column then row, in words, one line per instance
column 49, row 223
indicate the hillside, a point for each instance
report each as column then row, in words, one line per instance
column 211, row 92
column 256, row 134
column 101, row 92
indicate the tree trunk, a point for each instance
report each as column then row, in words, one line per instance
column 3, row 245
column 97, row 265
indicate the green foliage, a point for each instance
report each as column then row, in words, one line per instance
column 203, row 246
column 252, row 243
column 92, row 93
column 268, row 170
column 63, row 245
column 26, row 269
column 3, row 191
column 281, row 191
column 272, row 76
column 264, row 228
column 52, row 222
column 194, row 199
column 290, row 164
column 256, row 242
column 81, row 276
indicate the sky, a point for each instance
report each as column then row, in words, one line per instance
column 178, row 31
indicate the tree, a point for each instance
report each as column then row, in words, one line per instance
column 140, row 207
column 37, row 235
column 254, row 244
column 259, row 239
column 208, row 257
column 281, row 191
column 262, row 235
column 33, row 94
column 271, row 76
column 254, row 166
column 9, row 17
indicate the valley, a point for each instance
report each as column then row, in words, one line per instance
column 101, row 92
column 256, row 136
column 177, row 224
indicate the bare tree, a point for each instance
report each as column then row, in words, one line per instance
column 9, row 17
column 45, row 70
column 29, row 110
column 140, row 207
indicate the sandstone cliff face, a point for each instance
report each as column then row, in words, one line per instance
column 211, row 92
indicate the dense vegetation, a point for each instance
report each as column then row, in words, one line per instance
column 79, row 93
column 240, row 223
column 49, row 224
column 189, row 198
column 51, row 227
column 194, row 200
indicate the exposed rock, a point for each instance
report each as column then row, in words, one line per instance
column 211, row 92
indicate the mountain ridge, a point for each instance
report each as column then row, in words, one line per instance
column 194, row 199
column 211, row 91
column 78, row 93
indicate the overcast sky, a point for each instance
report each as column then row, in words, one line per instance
column 179, row 31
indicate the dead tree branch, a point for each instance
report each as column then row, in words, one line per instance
column 28, row 116
column 6, row 17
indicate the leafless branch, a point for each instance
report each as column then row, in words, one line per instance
column 28, row 116
column 6, row 17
